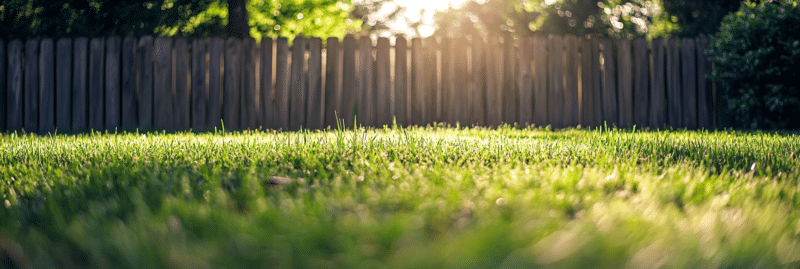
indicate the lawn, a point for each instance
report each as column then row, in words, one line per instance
column 402, row 198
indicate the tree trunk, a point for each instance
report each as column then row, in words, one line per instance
column 237, row 19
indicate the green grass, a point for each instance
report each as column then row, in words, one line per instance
column 402, row 198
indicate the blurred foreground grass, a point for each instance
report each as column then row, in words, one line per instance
column 402, row 198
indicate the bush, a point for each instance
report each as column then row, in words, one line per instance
column 756, row 56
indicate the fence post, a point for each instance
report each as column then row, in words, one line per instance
column 162, row 84
column 182, row 91
column 478, row 115
column 282, row 80
column 249, row 98
column 459, row 96
column 674, row 105
column 556, row 93
column 640, row 80
column 265, row 92
column 144, row 88
column 316, row 118
column 430, row 76
column 14, row 101
column 31, row 86
column 215, row 58
column 366, row 91
column 383, row 83
column 47, row 85
column 494, row 82
column 704, row 118
column 80, row 83
column 199, row 92
column 571, row 96
column 510, row 92
column 96, row 87
column 128, row 96
column 417, row 76
column 658, row 113
column 689, row 81
column 349, row 83
column 540, row 96
column 525, row 82
column 624, row 83
column 298, row 104
column 587, row 89
column 400, row 81
column 333, row 89
column 112, row 77
column 231, row 101
column 610, row 112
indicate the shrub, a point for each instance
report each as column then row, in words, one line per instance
column 756, row 56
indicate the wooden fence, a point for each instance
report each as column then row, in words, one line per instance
column 178, row 83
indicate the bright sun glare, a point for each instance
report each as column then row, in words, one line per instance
column 413, row 8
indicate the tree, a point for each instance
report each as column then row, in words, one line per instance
column 693, row 17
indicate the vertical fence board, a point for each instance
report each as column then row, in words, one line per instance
column 349, row 83
column 448, row 87
column 80, row 83
column 478, row 115
column 282, row 80
column 704, row 118
column 556, row 79
column 400, row 78
column 571, row 95
column 112, row 83
column 658, row 111
column 640, row 80
column 587, row 89
column 298, row 103
column 540, row 109
column 674, row 106
column 128, row 95
column 31, row 95
column 144, row 86
column 624, row 83
column 315, row 117
column 230, row 93
column 162, row 84
column 47, row 120
column 689, row 81
column 3, row 92
column 182, row 91
column 524, row 82
column 199, row 88
column 417, row 76
column 383, row 83
column 333, row 91
column 215, row 58
column 494, row 82
column 460, row 95
column 430, row 76
column 14, row 102
column 610, row 109
column 510, row 92
column 597, row 80
column 366, row 96
column 267, row 101
column 249, row 98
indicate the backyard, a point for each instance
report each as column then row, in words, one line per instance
column 435, row 197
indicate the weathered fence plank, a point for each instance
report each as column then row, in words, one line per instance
column 333, row 89
column 145, row 79
column 430, row 76
column 674, row 105
column 162, row 84
column 31, row 86
column 610, row 109
column 478, row 115
column 510, row 92
column 14, row 102
column 215, row 58
column 112, row 83
column 571, row 94
column 556, row 80
column 265, row 92
column 315, row 117
column 624, row 83
column 587, row 89
column 47, row 120
column 366, row 91
column 383, row 83
column 658, row 109
column 494, row 82
column 400, row 81
column 231, row 100
column 282, row 80
column 80, row 84
column 199, row 91
column 249, row 95
column 640, row 95
column 418, row 87
column 704, row 118
column 689, row 81
column 448, row 75
column 298, row 104
column 597, row 79
column 540, row 106
column 182, row 90
column 460, row 95
column 525, row 82
column 128, row 95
